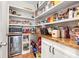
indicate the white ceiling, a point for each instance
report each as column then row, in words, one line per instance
column 32, row 2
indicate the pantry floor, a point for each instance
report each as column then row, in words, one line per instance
column 29, row 55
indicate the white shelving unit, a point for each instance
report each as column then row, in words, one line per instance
column 61, row 21
column 56, row 8
column 21, row 8
column 60, row 6
column 23, row 17
column 23, row 25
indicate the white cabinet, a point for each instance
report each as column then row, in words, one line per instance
column 46, row 50
column 56, row 53
column 49, row 50
column 66, row 51
column 3, row 28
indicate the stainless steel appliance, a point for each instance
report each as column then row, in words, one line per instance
column 15, row 29
column 14, row 41
column 14, row 45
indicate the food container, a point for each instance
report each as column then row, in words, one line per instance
column 56, row 33
column 71, row 13
column 48, row 19
column 62, row 32
column 56, row 2
column 76, row 34
column 77, row 11
column 52, row 19
column 49, row 30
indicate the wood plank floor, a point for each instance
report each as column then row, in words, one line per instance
column 29, row 55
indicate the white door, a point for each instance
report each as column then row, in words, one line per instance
column 3, row 29
column 46, row 50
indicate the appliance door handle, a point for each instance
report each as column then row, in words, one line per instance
column 53, row 50
column 3, row 44
column 50, row 49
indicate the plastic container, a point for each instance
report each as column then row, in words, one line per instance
column 76, row 34
column 56, row 33
column 71, row 13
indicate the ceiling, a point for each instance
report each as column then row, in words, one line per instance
column 32, row 2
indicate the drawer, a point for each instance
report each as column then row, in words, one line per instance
column 65, row 49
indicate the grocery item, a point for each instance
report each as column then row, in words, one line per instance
column 62, row 32
column 46, row 7
column 59, row 16
column 56, row 16
column 48, row 19
column 56, row 33
column 50, row 30
column 50, row 4
column 10, row 11
column 71, row 13
column 52, row 19
column 71, row 35
column 56, row 2
column 14, row 12
column 77, row 11
column 37, row 5
column 76, row 34
column 67, row 34
column 74, row 12
column 65, row 14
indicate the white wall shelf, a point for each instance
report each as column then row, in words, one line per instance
column 61, row 21
column 21, row 8
column 22, row 25
column 16, row 24
column 16, row 16
column 56, row 8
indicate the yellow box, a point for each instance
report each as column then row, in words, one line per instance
column 56, row 2
column 52, row 19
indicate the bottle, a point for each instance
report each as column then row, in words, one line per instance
column 74, row 12
column 76, row 34
column 67, row 35
column 37, row 5
column 77, row 11
column 70, row 13
column 62, row 32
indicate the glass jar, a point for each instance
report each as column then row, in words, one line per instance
column 76, row 34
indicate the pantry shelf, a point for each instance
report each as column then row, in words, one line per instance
column 56, row 8
column 22, row 9
column 16, row 16
column 22, row 25
column 61, row 21
column 16, row 24
column 14, row 34
column 28, row 25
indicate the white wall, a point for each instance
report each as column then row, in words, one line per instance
column 0, row 30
